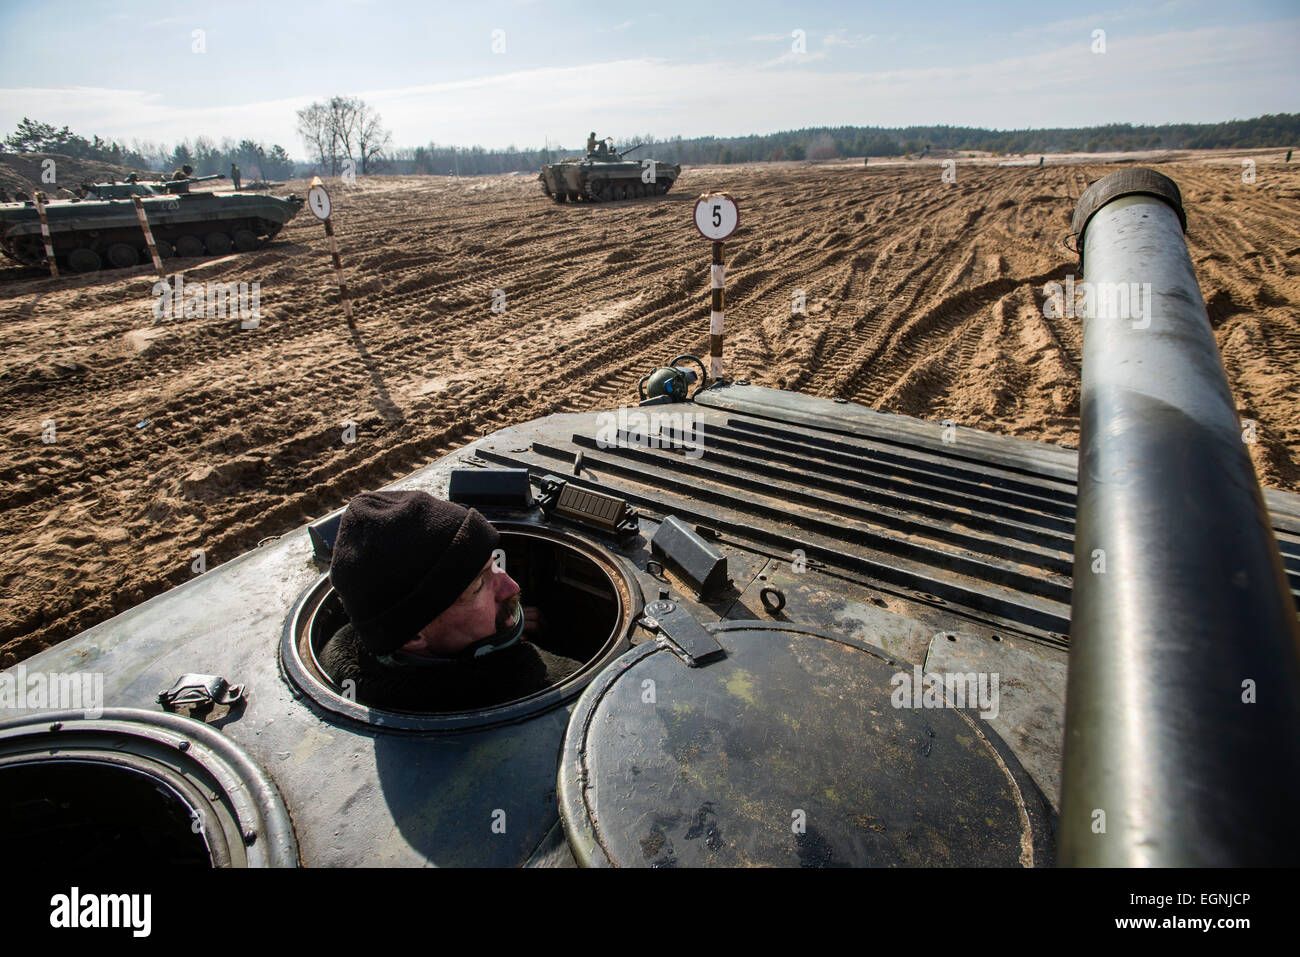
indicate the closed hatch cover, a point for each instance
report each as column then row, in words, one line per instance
column 794, row 749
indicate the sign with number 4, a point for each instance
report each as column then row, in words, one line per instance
column 716, row 216
column 318, row 201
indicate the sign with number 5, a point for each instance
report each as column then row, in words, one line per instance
column 716, row 216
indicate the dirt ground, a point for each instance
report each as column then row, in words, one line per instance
column 923, row 298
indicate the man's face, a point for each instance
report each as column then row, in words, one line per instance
column 488, row 605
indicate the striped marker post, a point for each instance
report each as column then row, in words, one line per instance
column 318, row 201
column 148, row 239
column 716, row 218
column 338, row 273
column 39, row 199
column 717, row 312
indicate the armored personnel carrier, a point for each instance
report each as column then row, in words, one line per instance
column 605, row 174
column 104, row 230
column 812, row 634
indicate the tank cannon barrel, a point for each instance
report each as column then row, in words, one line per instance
column 1183, row 694
column 183, row 185
column 630, row 149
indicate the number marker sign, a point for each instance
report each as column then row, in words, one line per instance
column 319, row 202
column 716, row 216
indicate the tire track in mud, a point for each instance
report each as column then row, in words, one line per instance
column 923, row 297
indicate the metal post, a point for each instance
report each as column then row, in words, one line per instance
column 148, row 238
column 717, row 280
column 1182, row 735
column 39, row 198
column 338, row 272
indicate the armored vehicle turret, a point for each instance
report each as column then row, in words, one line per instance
column 104, row 230
column 606, row 174
column 810, row 633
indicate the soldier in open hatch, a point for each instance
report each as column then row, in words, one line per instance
column 591, row 142
column 434, row 624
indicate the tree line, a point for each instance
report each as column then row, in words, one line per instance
column 345, row 133
column 204, row 155
column 824, row 143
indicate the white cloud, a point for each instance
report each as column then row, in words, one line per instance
column 791, row 57
column 1204, row 74
column 842, row 38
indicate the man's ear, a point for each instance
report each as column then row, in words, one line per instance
column 422, row 640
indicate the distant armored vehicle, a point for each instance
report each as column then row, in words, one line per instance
column 103, row 228
column 606, row 174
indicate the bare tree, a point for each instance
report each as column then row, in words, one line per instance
column 372, row 139
column 344, row 119
column 345, row 127
column 315, row 129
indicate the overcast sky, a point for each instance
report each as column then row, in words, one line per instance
column 528, row 73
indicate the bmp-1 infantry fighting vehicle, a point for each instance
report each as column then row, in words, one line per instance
column 813, row 634
column 605, row 174
column 104, row 229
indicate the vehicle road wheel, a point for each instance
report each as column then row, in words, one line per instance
column 123, row 256
column 573, row 196
column 622, row 191
column 218, row 243
column 245, row 240
column 189, row 247
column 561, row 196
column 84, row 260
column 165, row 250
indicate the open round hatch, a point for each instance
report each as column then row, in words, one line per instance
column 139, row 787
column 794, row 749
column 589, row 600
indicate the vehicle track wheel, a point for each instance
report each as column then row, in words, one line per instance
column 245, row 240
column 622, row 191
column 189, row 247
column 217, row 243
column 123, row 256
column 165, row 249
column 84, row 260
column 573, row 196
column 561, row 196
column 597, row 190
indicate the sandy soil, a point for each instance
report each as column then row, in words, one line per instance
column 922, row 298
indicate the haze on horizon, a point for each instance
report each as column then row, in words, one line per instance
column 530, row 73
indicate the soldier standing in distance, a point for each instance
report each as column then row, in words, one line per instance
column 234, row 175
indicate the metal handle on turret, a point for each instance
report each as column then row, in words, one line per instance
column 704, row 373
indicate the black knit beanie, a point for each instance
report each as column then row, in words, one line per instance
column 402, row 558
